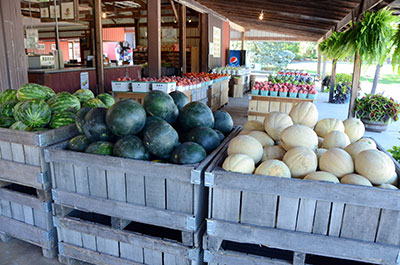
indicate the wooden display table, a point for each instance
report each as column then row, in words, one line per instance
column 260, row 106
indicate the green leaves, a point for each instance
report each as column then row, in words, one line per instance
column 377, row 108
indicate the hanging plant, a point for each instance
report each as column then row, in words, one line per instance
column 396, row 52
column 377, row 108
column 334, row 47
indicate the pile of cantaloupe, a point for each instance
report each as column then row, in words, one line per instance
column 299, row 146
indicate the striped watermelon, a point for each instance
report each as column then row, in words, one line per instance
column 34, row 91
column 83, row 95
column 62, row 119
column 34, row 113
column 16, row 110
column 64, row 101
column 6, row 122
column 20, row 126
column 107, row 99
column 8, row 95
column 94, row 103
column 6, row 109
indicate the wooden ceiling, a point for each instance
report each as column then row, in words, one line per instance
column 310, row 19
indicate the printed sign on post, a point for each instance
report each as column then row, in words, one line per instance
column 85, row 80
column 217, row 42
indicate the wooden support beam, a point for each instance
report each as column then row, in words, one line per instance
column 98, row 28
column 323, row 69
column 333, row 80
column 355, row 84
column 154, row 37
column 182, row 38
column 243, row 39
column 356, row 12
column 137, row 32
column 204, row 42
column 174, row 9
column 319, row 63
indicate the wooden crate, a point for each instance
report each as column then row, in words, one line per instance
column 308, row 217
column 139, row 97
column 159, row 194
column 259, row 106
column 96, row 239
column 218, row 94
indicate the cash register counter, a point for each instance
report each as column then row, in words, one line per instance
column 69, row 79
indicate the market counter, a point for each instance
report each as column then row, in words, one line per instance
column 69, row 79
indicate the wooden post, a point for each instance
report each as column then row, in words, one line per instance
column 154, row 37
column 333, row 79
column 182, row 38
column 319, row 64
column 323, row 69
column 355, row 84
column 243, row 39
column 204, row 42
column 98, row 32
column 137, row 32
column 376, row 78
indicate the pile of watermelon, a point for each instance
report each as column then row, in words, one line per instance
column 35, row 107
column 165, row 129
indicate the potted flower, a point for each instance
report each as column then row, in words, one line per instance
column 375, row 111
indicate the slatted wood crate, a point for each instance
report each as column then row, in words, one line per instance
column 306, row 217
column 218, row 94
column 25, row 186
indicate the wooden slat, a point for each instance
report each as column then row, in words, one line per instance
column 305, row 218
column 389, row 224
column 20, row 173
column 6, row 152
column 130, row 252
column 226, row 204
column 335, row 223
column 21, row 198
column 155, row 192
column 135, row 189
column 64, row 176
column 152, row 257
column 107, row 246
column 17, row 211
column 287, row 213
column 274, row 106
column 180, row 196
column 97, row 182
column 321, row 219
column 32, row 155
column 258, row 209
column 88, row 241
column 280, row 99
column 116, row 189
column 81, row 179
column 18, row 154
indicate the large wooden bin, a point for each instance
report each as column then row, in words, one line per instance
column 25, row 196
column 302, row 217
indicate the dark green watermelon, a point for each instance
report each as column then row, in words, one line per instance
column 107, row 99
column 39, row 129
column 179, row 98
column 79, row 143
column 94, row 103
column 64, row 101
column 33, row 91
column 8, row 95
column 196, row 114
column 160, row 139
column 20, row 126
column 220, row 134
column 149, row 121
column 6, row 122
column 126, row 117
column 160, row 104
column 80, row 118
column 95, row 127
column 131, row 147
column 62, row 119
column 204, row 136
column 188, row 153
column 6, row 109
column 223, row 122
column 83, row 95
column 100, row 148
column 34, row 113
column 16, row 110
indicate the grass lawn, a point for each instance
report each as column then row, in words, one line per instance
column 386, row 79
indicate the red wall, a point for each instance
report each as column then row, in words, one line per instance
column 226, row 32
column 109, row 48
column 114, row 34
column 48, row 50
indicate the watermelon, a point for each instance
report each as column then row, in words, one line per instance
column 220, row 134
column 100, row 148
column 8, row 95
column 160, row 104
column 131, row 147
column 6, row 122
column 62, row 119
column 83, row 94
column 160, row 139
column 149, row 121
column 6, row 109
column 94, row 103
column 34, row 113
column 126, row 117
column 78, row 143
column 80, row 118
column 223, row 122
column 107, row 99
column 196, row 114
column 16, row 110
column 95, row 127
column 64, row 101
column 33, row 91
column 50, row 92
column 204, row 136
column 188, row 153
column 39, row 129
column 20, row 126
column 179, row 98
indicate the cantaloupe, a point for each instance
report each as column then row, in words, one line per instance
column 319, row 152
column 326, row 126
column 245, row 132
column 301, row 161
column 320, row 142
column 322, row 176
column 299, row 135
column 354, row 128
column 375, row 165
column 336, row 161
column 304, row 113
column 239, row 163
column 273, row 168
column 355, row 148
column 253, row 125
column 388, row 186
column 336, row 139
column 394, row 180
column 275, row 123
column 355, row 179
column 244, row 144
column 262, row 137
column 273, row 152
column 368, row 140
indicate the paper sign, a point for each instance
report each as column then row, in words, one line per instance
column 32, row 38
column 52, row 14
column 44, row 12
column 85, row 80
column 67, row 10
column 211, row 48
column 217, row 42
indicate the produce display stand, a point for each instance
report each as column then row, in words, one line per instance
column 113, row 210
column 218, row 94
column 139, row 97
column 302, row 218
column 25, row 195
column 259, row 106
column 238, row 85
